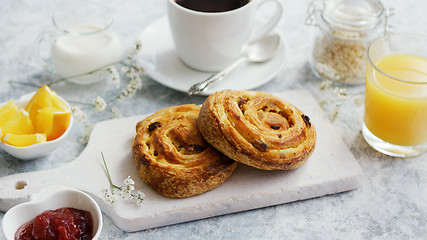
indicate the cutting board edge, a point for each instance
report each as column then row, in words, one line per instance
column 187, row 215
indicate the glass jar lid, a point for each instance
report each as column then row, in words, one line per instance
column 361, row 14
column 351, row 15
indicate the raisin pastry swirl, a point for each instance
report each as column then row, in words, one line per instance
column 172, row 157
column 257, row 129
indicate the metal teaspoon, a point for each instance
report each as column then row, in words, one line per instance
column 258, row 51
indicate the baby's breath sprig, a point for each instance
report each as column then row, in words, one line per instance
column 78, row 114
column 339, row 95
column 116, row 112
column 87, row 129
column 132, row 70
column 115, row 77
column 126, row 191
column 100, row 104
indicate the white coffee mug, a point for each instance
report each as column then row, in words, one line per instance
column 81, row 42
column 210, row 41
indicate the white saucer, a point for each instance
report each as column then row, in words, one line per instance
column 161, row 63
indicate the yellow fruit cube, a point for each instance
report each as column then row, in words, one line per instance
column 43, row 98
column 19, row 123
column 52, row 122
column 23, row 140
column 7, row 111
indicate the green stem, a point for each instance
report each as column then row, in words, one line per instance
column 108, row 174
column 25, row 83
column 71, row 77
column 81, row 103
column 112, row 99
column 83, row 74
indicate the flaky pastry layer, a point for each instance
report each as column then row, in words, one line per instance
column 173, row 158
column 257, row 129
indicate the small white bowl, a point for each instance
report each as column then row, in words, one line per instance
column 66, row 197
column 40, row 149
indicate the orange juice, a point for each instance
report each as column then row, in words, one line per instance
column 395, row 110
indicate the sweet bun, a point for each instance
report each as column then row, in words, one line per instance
column 257, row 129
column 172, row 157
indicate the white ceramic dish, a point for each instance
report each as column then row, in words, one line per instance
column 160, row 61
column 40, row 149
column 65, row 197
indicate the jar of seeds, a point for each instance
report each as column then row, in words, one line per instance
column 344, row 30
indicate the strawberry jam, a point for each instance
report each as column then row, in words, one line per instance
column 62, row 224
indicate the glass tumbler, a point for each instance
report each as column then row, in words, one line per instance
column 395, row 119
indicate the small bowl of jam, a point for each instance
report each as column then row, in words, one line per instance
column 64, row 214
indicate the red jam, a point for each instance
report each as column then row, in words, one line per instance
column 61, row 224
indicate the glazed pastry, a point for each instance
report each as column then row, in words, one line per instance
column 257, row 129
column 173, row 158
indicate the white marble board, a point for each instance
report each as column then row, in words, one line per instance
column 331, row 169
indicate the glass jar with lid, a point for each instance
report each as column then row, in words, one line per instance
column 345, row 28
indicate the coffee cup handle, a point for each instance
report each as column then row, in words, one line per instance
column 46, row 37
column 264, row 29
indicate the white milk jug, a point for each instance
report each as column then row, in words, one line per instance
column 83, row 43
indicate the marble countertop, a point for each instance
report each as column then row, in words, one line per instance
column 390, row 204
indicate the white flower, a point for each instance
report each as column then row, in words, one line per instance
column 134, row 84
column 108, row 195
column 358, row 100
column 78, row 114
column 128, row 181
column 139, row 197
column 325, row 85
column 100, row 104
column 133, row 52
column 86, row 133
column 139, row 69
column 340, row 92
column 140, row 194
column 130, row 188
column 126, row 191
column 116, row 112
column 125, row 69
column 115, row 77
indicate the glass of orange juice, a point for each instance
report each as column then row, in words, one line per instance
column 395, row 120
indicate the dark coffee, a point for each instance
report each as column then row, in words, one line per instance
column 212, row 5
